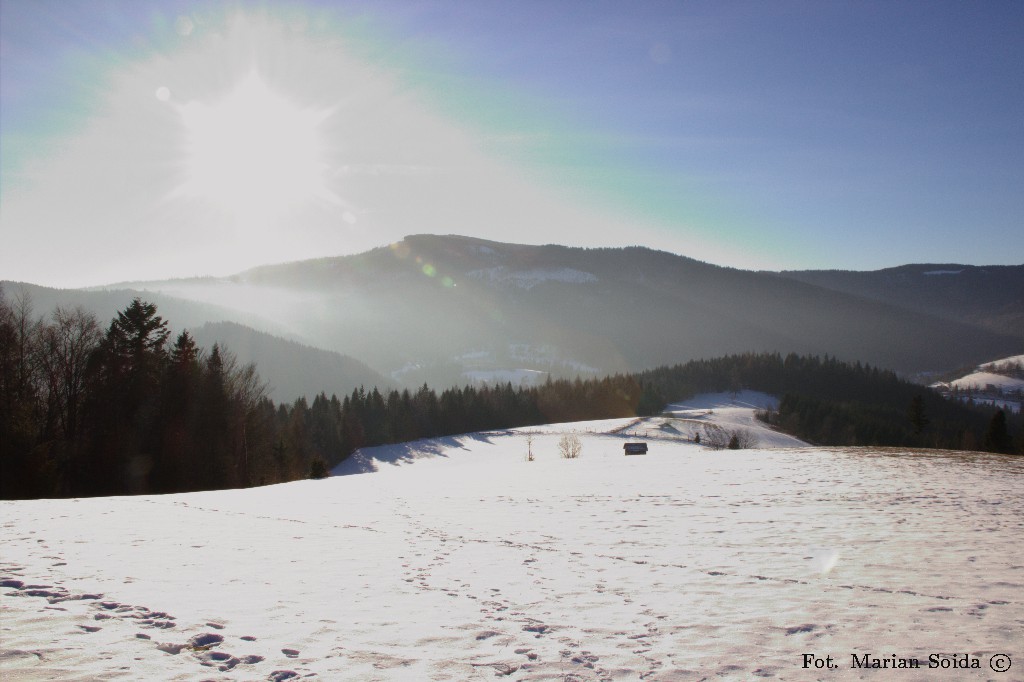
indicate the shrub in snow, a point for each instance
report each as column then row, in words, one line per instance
column 715, row 437
column 744, row 440
column 570, row 446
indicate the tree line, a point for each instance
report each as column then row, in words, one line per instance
column 92, row 411
column 87, row 410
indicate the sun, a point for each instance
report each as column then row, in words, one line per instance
column 253, row 152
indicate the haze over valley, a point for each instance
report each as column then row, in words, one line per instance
column 448, row 310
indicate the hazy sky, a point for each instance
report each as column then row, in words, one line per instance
column 157, row 139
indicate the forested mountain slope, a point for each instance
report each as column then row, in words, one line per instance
column 442, row 304
column 991, row 297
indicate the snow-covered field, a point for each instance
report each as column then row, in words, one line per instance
column 460, row 560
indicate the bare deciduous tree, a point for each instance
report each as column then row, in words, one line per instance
column 570, row 446
column 744, row 439
column 715, row 437
column 64, row 353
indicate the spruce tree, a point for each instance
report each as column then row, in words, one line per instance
column 997, row 438
column 918, row 419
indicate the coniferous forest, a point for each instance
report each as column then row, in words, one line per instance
column 127, row 409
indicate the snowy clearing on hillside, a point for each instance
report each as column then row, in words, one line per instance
column 981, row 381
column 527, row 279
column 1014, row 360
column 460, row 560
column 516, row 377
column 999, row 383
column 729, row 413
column 1005, row 374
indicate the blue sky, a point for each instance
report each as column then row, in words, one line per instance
column 159, row 139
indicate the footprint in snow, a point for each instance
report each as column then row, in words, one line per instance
column 487, row 634
column 584, row 658
column 206, row 640
column 282, row 675
column 218, row 659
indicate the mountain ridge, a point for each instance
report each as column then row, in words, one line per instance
column 430, row 308
column 990, row 296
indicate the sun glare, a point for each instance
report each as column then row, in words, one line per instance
column 253, row 152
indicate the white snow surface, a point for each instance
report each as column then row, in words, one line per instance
column 460, row 560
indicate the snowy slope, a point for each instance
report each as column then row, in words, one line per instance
column 980, row 381
column 999, row 383
column 1006, row 374
column 460, row 560
column 1004, row 362
column 731, row 412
